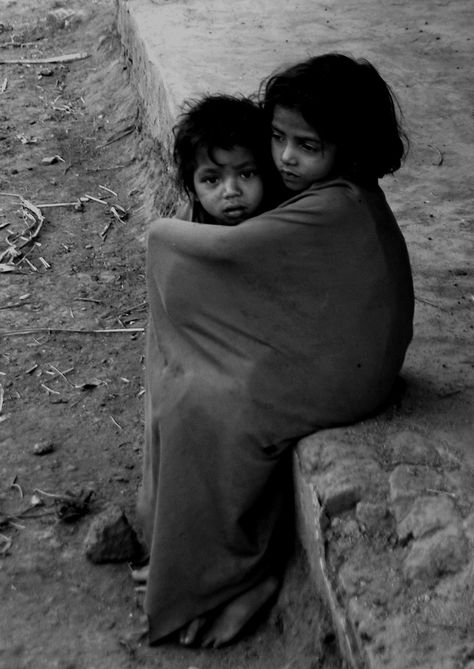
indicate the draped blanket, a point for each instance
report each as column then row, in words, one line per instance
column 259, row 334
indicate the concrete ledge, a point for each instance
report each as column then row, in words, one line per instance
column 394, row 558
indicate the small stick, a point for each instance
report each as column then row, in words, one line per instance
column 18, row 486
column 44, row 262
column 441, row 492
column 135, row 307
column 14, row 305
column 116, row 214
column 25, row 259
column 1, row 397
column 8, row 544
column 6, row 45
column 65, row 497
column 10, row 194
column 96, row 199
column 115, row 423
column 12, row 333
column 4, row 85
column 66, row 58
column 49, row 390
column 62, row 375
column 49, row 205
column 48, row 494
column 108, row 190
column 431, row 304
column 87, row 299
column 104, row 232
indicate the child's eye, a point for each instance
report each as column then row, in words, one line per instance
column 248, row 174
column 276, row 136
column 311, row 148
column 210, row 180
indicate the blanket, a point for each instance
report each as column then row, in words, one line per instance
column 259, row 334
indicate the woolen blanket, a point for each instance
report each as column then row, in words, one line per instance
column 259, row 334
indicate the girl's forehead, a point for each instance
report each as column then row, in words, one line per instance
column 219, row 157
column 291, row 121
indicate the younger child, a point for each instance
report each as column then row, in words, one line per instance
column 223, row 160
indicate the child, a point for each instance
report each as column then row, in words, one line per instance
column 223, row 160
column 260, row 333
column 333, row 116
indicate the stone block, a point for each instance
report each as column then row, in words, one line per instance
column 407, row 482
column 111, row 538
column 365, row 619
column 426, row 515
column 321, row 450
column 374, row 517
column 431, row 557
column 341, row 487
column 412, row 448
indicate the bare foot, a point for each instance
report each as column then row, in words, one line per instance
column 238, row 613
column 188, row 635
column 141, row 575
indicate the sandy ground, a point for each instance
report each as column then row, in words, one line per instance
column 58, row 610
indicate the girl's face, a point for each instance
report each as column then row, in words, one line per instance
column 228, row 184
column 298, row 152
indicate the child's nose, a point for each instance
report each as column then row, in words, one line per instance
column 231, row 187
column 288, row 154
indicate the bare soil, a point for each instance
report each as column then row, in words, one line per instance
column 81, row 393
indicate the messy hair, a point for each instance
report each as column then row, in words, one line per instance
column 220, row 122
column 348, row 104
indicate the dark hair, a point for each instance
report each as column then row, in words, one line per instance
column 224, row 122
column 348, row 104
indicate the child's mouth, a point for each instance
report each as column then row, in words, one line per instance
column 289, row 175
column 234, row 212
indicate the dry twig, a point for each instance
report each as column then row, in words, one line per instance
column 115, row 423
column 6, row 45
column 108, row 190
column 431, row 304
column 66, row 58
column 29, row 331
column 50, row 391
column 8, row 544
column 16, row 485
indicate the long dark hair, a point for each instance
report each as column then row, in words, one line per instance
column 349, row 105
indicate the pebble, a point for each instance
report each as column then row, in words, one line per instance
column 43, row 448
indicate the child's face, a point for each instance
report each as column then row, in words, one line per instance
column 228, row 186
column 298, row 152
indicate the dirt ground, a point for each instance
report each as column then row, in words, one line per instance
column 80, row 395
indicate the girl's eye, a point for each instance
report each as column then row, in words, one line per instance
column 211, row 180
column 248, row 174
column 311, row 148
column 276, row 136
